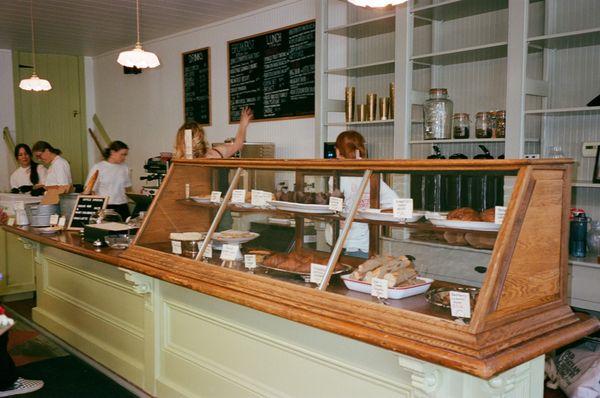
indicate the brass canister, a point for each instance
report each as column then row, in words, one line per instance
column 349, row 99
column 384, row 108
column 392, row 100
column 371, row 106
column 361, row 113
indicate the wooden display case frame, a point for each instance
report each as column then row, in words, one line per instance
column 522, row 310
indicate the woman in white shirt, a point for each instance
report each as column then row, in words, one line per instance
column 59, row 170
column 29, row 176
column 351, row 145
column 113, row 177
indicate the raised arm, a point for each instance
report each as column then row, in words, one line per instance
column 226, row 151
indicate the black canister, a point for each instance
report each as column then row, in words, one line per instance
column 482, row 195
column 578, row 233
column 426, row 189
column 457, row 183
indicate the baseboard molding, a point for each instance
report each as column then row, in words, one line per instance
column 26, row 295
column 79, row 354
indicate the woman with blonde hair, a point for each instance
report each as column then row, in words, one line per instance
column 200, row 146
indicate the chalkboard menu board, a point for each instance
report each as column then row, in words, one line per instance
column 85, row 207
column 196, row 86
column 273, row 73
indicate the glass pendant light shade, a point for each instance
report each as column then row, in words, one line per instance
column 138, row 58
column 376, row 3
column 34, row 83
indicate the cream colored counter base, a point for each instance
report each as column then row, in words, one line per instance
column 174, row 342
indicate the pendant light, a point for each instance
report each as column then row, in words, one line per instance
column 376, row 3
column 34, row 83
column 138, row 58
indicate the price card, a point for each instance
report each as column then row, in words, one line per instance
column 379, row 288
column 317, row 272
column 239, row 196
column 54, row 219
column 215, row 196
column 259, row 198
column 176, row 247
column 460, row 304
column 208, row 251
column 230, row 252
column 10, row 222
column 336, row 204
column 62, row 222
column 500, row 212
column 250, row 261
column 20, row 205
column 403, row 208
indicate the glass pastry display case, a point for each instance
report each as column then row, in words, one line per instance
column 462, row 259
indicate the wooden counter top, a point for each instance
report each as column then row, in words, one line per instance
column 251, row 291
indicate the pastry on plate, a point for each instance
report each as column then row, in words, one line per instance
column 464, row 214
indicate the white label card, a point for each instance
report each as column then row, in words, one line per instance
column 208, row 251
column 230, row 252
column 10, row 222
column 379, row 288
column 500, row 212
column 215, row 196
column 62, row 221
column 54, row 219
column 176, row 247
column 189, row 153
column 403, row 208
column 317, row 272
column 250, row 261
column 19, row 205
column 259, row 198
column 238, row 196
column 336, row 204
column 187, row 191
column 460, row 304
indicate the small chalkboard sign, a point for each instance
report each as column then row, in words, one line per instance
column 196, row 86
column 273, row 73
column 85, row 207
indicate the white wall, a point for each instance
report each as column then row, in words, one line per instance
column 7, row 116
column 146, row 110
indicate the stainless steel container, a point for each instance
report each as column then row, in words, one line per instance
column 384, row 108
column 361, row 113
column 371, row 106
column 67, row 203
column 39, row 215
column 349, row 100
column 392, row 99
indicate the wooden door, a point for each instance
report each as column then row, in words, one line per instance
column 58, row 115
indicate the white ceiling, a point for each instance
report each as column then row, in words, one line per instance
column 92, row 27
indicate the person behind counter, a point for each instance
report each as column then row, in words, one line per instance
column 113, row 177
column 351, row 145
column 29, row 176
column 59, row 171
column 200, row 146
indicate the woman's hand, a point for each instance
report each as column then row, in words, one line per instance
column 245, row 117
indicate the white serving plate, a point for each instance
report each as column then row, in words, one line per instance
column 471, row 225
column 204, row 201
column 393, row 292
column 47, row 230
column 434, row 215
column 377, row 215
column 219, row 238
column 300, row 207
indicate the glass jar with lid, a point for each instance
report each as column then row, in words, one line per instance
column 500, row 125
column 483, row 125
column 461, row 126
column 437, row 115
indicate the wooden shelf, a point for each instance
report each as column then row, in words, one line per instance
column 375, row 68
column 557, row 41
column 369, row 27
column 374, row 122
column 585, row 184
column 447, row 10
column 457, row 141
column 462, row 55
column 582, row 110
column 589, row 261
